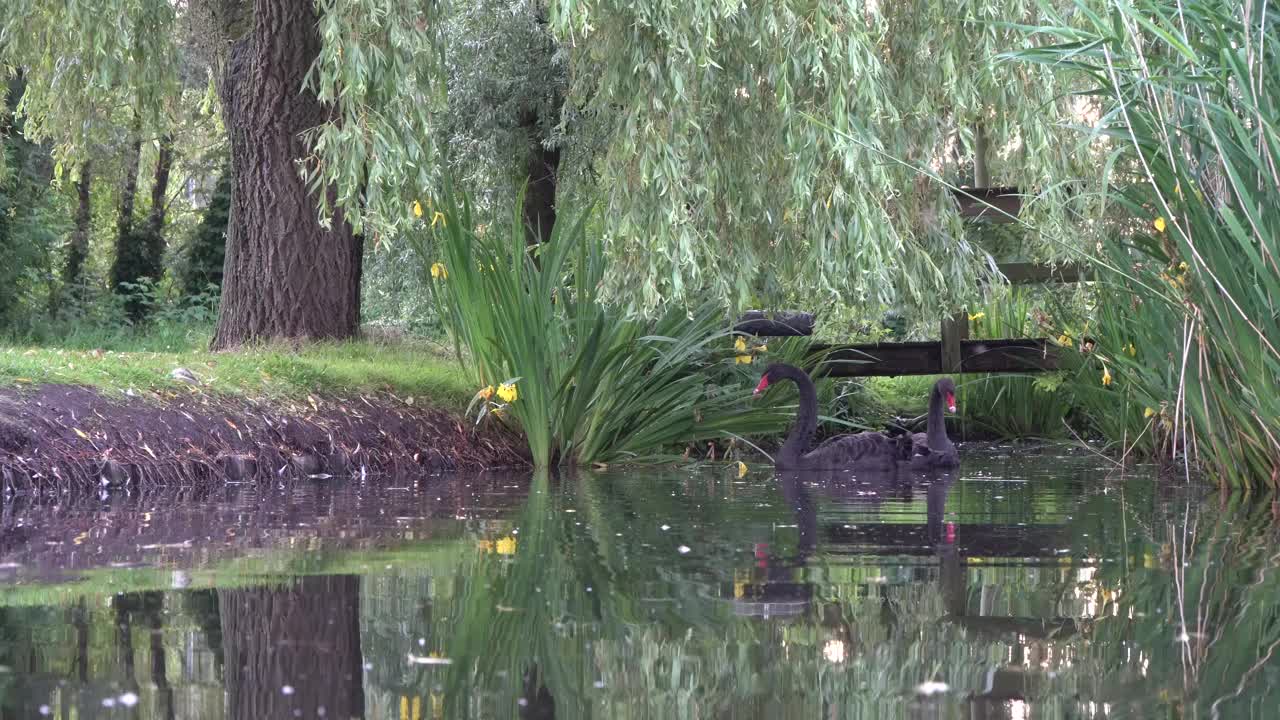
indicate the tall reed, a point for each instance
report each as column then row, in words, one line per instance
column 1187, row 360
column 586, row 382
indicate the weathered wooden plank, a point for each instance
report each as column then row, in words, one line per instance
column 955, row 329
column 925, row 358
column 1025, row 272
column 992, row 204
column 781, row 324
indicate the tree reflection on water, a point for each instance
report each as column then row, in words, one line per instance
column 1029, row 587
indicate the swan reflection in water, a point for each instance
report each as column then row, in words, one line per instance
column 777, row 586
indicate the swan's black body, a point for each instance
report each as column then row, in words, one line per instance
column 932, row 448
column 921, row 451
column 863, row 450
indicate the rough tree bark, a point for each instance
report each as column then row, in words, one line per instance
column 305, row 638
column 285, row 275
column 78, row 248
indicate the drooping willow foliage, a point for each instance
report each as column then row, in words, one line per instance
column 745, row 151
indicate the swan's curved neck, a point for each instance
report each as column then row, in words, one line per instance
column 936, row 430
column 801, row 435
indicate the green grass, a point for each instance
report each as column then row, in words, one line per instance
column 407, row 369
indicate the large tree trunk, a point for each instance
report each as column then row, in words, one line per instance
column 292, row 651
column 78, row 248
column 285, row 276
column 160, row 193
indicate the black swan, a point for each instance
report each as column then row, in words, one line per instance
column 863, row 450
column 932, row 448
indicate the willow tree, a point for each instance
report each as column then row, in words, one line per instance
column 796, row 147
column 294, row 246
column 748, row 151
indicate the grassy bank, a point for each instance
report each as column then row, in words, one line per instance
column 407, row 369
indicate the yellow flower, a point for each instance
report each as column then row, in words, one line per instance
column 742, row 470
column 438, row 217
column 506, row 546
column 1159, row 224
column 743, row 359
column 1148, row 413
column 486, row 392
column 740, row 345
column 1183, row 266
column 1064, row 339
column 439, row 272
column 1133, row 351
column 762, row 349
column 977, row 316
column 417, row 209
column 507, row 392
column 1106, row 377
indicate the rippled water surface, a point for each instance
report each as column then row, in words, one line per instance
column 1026, row 585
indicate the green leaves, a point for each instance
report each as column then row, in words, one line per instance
column 1187, row 319
column 597, row 385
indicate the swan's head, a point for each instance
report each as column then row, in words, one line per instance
column 947, row 389
column 770, row 374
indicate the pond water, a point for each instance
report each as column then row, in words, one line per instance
column 1025, row 585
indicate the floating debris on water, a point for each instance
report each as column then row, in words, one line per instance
column 428, row 660
column 684, row 549
column 286, row 689
column 932, row 687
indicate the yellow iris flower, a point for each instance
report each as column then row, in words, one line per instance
column 507, row 392
column 486, row 392
column 438, row 217
column 439, row 272
column 1106, row 377
column 506, row 546
column 417, row 209
column 1159, row 224
column 1148, row 413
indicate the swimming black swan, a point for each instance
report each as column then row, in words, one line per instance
column 863, row 450
column 932, row 448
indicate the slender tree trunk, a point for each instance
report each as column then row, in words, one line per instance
column 540, row 194
column 160, row 192
column 78, row 248
column 292, row 651
column 121, row 268
column 285, row 275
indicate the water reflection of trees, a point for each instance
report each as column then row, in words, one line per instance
column 1141, row 606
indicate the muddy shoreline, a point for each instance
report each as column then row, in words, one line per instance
column 59, row 437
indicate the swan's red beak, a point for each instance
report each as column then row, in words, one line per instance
column 764, row 383
column 951, row 402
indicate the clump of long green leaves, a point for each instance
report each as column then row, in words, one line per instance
column 1187, row 361
column 1013, row 405
column 592, row 384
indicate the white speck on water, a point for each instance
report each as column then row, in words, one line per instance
column 599, row 684
column 368, row 666
column 108, row 702
column 427, row 660
column 569, row 510
column 666, row 528
column 128, row 699
column 997, row 497
column 286, row 689
column 522, row 702
column 932, row 687
column 684, row 549
column 321, row 712
column 45, row 710
column 588, row 588
column 422, row 642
